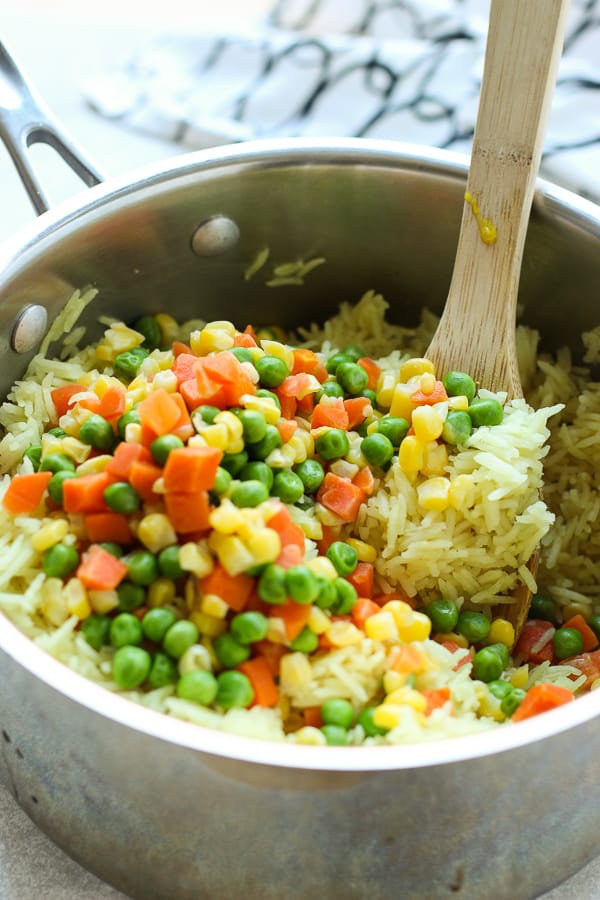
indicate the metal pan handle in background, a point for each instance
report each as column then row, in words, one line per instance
column 25, row 121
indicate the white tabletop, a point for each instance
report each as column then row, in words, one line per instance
column 55, row 50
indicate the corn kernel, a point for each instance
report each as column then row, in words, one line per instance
column 216, row 436
column 435, row 459
column 196, row 558
column 393, row 680
column 410, row 455
column 281, row 457
column 388, row 716
column 76, row 597
column 156, row 532
column 459, row 402
column 381, row 626
column 76, row 449
column 433, row 494
column 427, row 382
column 418, row 629
column 407, row 696
column 364, row 551
column 490, row 707
column 281, row 351
column 299, row 447
column 461, row 492
column 427, row 423
column 133, row 433
column 310, row 736
column 519, row 677
column 54, row 605
column 318, row 621
column 264, row 545
column 214, row 606
column 166, row 381
column 501, row 632
column 208, row 625
column 161, row 593
column 344, row 634
column 385, row 387
column 455, row 638
column 169, row 329
column 322, row 565
column 49, row 535
column 227, row 518
column 232, row 423
column 400, row 610
column 295, row 670
column 265, row 405
column 51, row 444
column 213, row 337
column 117, row 339
column 192, row 594
column 276, row 632
column 326, row 517
column 196, row 658
column 234, row 555
column 103, row 601
column 401, row 404
column 416, row 366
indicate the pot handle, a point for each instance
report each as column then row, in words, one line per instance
column 25, row 121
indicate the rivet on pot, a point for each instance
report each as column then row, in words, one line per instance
column 215, row 236
column 29, row 328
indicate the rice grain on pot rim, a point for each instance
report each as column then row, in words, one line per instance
column 436, row 524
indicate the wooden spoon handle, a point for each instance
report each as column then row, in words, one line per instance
column 476, row 333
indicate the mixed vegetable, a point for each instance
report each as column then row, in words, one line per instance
column 199, row 502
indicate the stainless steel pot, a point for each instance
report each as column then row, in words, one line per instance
column 163, row 809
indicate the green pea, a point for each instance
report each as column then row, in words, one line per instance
column 311, row 473
column 263, row 392
column 485, row 411
column 567, row 642
column 130, row 667
column 544, row 608
column 156, row 622
column 346, row 597
column 328, row 595
column 594, row 624
column 354, row 352
column 57, row 432
column 258, row 471
column 443, row 615
column 370, row 395
column 335, row 735
column 34, row 455
column 125, row 630
column 301, row 584
column 499, row 688
column 131, row 596
column 457, row 427
column 306, row 642
column 474, row 626
column 97, row 432
column 487, row 664
column 272, row 585
column 352, row 377
column 122, row 497
column 343, row 556
column 377, row 449
column 254, row 425
column 180, row 637
column 249, row 493
column 95, row 630
column 248, row 627
column 271, row 441
column 208, row 413
column 271, row 370
column 223, row 481
column 142, row 567
column 394, row 428
column 288, row 486
column 60, row 560
column 162, row 446
column 57, row 462
column 168, row 562
column 128, row 418
column 198, row 686
column 234, row 690
column 113, row 548
column 149, row 327
column 330, row 389
column 55, row 485
column 512, row 701
column 164, row 671
column 459, row 384
column 229, row 652
column 337, row 712
column 332, row 444
column 242, row 354
column 234, row 462
column 366, row 721
column 127, row 364
column 335, row 360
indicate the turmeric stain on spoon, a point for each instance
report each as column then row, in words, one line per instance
column 487, row 229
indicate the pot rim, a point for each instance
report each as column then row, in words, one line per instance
column 97, row 699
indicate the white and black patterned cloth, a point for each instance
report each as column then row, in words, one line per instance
column 407, row 70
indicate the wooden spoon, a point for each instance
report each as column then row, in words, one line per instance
column 476, row 333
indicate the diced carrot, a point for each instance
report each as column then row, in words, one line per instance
column 107, row 526
column 590, row 639
column 357, row 409
column 540, row 698
column 178, row 347
column 271, row 652
column 535, row 642
column 24, row 493
column 341, row 497
column 298, row 386
column 290, row 555
column 234, row 590
column 143, row 475
column 209, row 389
column 61, row 397
column 306, row 405
column 382, row 599
column 288, row 404
column 227, row 370
column 258, row 671
column 588, row 664
column 437, row 395
column 85, row 494
column 287, row 429
column 99, row 570
column 372, row 370
column 113, row 402
column 249, row 329
column 188, row 512
column 244, row 340
column 308, row 361
column 158, row 411
column 363, row 609
column 362, row 579
column 406, row 658
column 330, row 534
column 311, row 716
column 288, row 531
column 294, row 616
column 183, row 427
column 190, row 393
column 184, row 366
column 123, row 458
column 91, row 402
column 365, row 480
column 436, row 698
column 334, row 415
column 191, row 469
